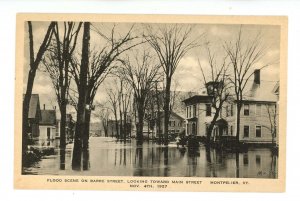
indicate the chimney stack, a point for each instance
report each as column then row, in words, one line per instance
column 44, row 106
column 257, row 76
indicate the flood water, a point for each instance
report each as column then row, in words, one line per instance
column 107, row 157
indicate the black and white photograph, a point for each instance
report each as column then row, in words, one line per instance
column 151, row 99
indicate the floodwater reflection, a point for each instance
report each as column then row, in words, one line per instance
column 106, row 157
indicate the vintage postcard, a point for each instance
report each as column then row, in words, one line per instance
column 150, row 102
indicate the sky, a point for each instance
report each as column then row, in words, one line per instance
column 187, row 76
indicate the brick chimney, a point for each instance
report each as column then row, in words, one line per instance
column 257, row 76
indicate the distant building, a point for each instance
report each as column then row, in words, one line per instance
column 47, row 126
column 258, row 119
column 34, row 117
column 70, row 128
column 175, row 127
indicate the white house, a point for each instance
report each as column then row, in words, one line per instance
column 47, row 127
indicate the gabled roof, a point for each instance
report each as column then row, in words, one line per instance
column 198, row 99
column 48, row 117
column 260, row 92
column 162, row 114
column 34, row 106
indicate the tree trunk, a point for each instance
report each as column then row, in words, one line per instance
column 238, row 120
column 63, row 104
column 158, row 128
column 140, row 126
column 63, row 113
column 26, row 104
column 80, row 123
column 167, row 111
column 212, row 124
column 125, row 127
column 117, row 125
column 86, row 134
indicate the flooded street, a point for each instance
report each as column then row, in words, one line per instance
column 107, row 157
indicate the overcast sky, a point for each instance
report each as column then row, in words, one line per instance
column 187, row 76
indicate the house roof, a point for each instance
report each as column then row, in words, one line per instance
column 197, row 99
column 162, row 114
column 34, row 106
column 260, row 92
column 48, row 117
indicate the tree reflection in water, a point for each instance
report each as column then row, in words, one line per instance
column 106, row 157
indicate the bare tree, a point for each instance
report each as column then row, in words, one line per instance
column 103, row 112
column 57, row 63
column 244, row 55
column 217, row 85
column 124, row 106
column 273, row 118
column 81, row 106
column 113, row 99
column 141, row 74
column 171, row 43
column 102, row 61
column 34, row 61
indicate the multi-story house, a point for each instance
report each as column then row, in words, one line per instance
column 176, row 124
column 198, row 114
column 258, row 116
column 47, row 127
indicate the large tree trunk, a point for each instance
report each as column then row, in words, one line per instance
column 80, row 123
column 63, row 106
column 167, row 111
column 86, row 134
column 117, row 125
column 238, row 120
column 212, row 124
column 26, row 103
column 140, row 126
column 63, row 112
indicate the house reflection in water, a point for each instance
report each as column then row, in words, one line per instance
column 109, row 158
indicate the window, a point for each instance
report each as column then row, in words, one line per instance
column 194, row 110
column 258, row 160
column 171, row 123
column 245, row 159
column 231, row 110
column 227, row 111
column 246, row 109
column 231, row 130
column 187, row 112
column 258, row 131
column 258, row 109
column 246, row 131
column 179, row 123
column 48, row 133
column 190, row 111
column 208, row 110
